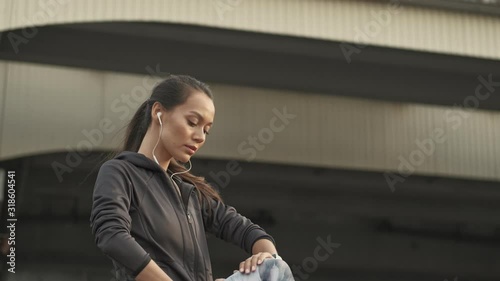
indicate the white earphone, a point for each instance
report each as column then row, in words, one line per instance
column 159, row 119
column 161, row 128
column 159, row 136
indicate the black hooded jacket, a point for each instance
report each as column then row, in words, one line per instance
column 138, row 215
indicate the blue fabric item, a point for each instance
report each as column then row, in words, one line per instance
column 269, row 270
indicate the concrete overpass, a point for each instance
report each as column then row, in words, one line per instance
column 374, row 152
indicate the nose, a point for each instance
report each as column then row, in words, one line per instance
column 199, row 136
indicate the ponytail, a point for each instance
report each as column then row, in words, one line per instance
column 205, row 190
column 138, row 127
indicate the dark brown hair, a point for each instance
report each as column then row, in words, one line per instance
column 171, row 92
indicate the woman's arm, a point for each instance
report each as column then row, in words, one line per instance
column 264, row 245
column 226, row 223
column 152, row 272
column 111, row 222
column 262, row 249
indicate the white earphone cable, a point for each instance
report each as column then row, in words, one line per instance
column 154, row 157
column 190, row 166
column 159, row 136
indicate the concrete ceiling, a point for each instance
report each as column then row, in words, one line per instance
column 261, row 60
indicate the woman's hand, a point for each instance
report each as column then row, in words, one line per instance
column 250, row 264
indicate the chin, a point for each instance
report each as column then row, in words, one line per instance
column 184, row 158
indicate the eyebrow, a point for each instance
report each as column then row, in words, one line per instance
column 199, row 116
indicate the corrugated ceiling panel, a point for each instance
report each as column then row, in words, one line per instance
column 366, row 22
column 48, row 108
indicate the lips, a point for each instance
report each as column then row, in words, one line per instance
column 192, row 148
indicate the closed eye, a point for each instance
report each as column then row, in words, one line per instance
column 192, row 124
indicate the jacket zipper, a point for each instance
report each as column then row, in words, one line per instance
column 191, row 231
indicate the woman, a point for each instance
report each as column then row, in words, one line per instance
column 149, row 214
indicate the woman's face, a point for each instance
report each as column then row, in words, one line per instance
column 185, row 127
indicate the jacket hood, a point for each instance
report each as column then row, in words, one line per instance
column 139, row 160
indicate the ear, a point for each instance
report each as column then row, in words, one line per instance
column 156, row 112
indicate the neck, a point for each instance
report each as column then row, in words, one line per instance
column 147, row 146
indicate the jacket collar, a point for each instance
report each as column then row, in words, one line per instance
column 140, row 160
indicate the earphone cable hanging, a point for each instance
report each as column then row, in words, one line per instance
column 153, row 152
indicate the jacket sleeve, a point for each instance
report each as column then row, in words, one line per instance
column 227, row 224
column 110, row 220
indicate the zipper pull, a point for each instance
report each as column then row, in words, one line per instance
column 190, row 219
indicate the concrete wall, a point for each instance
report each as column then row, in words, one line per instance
column 49, row 108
